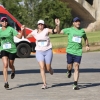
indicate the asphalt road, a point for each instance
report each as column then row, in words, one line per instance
column 27, row 83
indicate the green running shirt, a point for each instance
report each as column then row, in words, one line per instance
column 7, row 41
column 75, row 36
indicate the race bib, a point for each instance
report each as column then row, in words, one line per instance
column 42, row 43
column 7, row 46
column 76, row 39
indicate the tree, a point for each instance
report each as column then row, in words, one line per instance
column 14, row 7
column 22, row 12
column 31, row 11
column 48, row 10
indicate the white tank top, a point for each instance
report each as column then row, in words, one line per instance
column 42, row 40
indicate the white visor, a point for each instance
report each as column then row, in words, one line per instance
column 40, row 22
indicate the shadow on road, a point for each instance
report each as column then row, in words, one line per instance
column 25, row 85
column 28, row 71
column 62, row 84
column 81, row 85
column 87, row 85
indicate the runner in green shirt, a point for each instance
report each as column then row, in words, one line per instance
column 8, row 47
column 74, row 48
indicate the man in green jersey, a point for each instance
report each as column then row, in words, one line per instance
column 74, row 48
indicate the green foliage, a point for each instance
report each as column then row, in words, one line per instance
column 48, row 10
column 22, row 12
column 14, row 7
column 31, row 11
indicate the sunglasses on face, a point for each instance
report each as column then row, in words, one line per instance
column 5, row 20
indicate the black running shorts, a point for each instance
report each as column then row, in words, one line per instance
column 11, row 56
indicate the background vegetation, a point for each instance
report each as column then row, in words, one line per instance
column 29, row 12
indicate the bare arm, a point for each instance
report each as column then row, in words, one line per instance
column 29, row 35
column 21, row 32
column 57, row 29
column 61, row 32
column 57, row 21
column 86, row 43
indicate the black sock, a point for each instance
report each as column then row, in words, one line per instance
column 75, row 82
column 6, row 82
column 69, row 71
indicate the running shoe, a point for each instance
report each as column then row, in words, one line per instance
column 69, row 74
column 6, row 85
column 75, row 87
column 51, row 71
column 44, row 86
column 12, row 75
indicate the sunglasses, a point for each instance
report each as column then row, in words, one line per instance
column 4, row 20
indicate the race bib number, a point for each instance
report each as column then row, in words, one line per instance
column 76, row 39
column 42, row 43
column 7, row 46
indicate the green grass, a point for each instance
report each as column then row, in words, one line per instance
column 93, row 37
column 60, row 40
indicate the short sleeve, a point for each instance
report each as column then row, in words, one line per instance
column 47, row 30
column 14, row 32
column 66, row 31
column 33, row 32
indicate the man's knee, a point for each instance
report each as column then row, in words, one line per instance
column 76, row 66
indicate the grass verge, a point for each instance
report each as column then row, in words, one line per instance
column 60, row 40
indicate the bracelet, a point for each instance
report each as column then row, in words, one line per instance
column 57, row 25
column 87, row 45
column 53, row 31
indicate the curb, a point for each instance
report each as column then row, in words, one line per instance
column 56, row 51
column 59, row 51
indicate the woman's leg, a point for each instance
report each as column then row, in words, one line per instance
column 48, row 61
column 40, row 59
column 42, row 70
column 5, row 68
column 11, row 65
column 49, row 68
